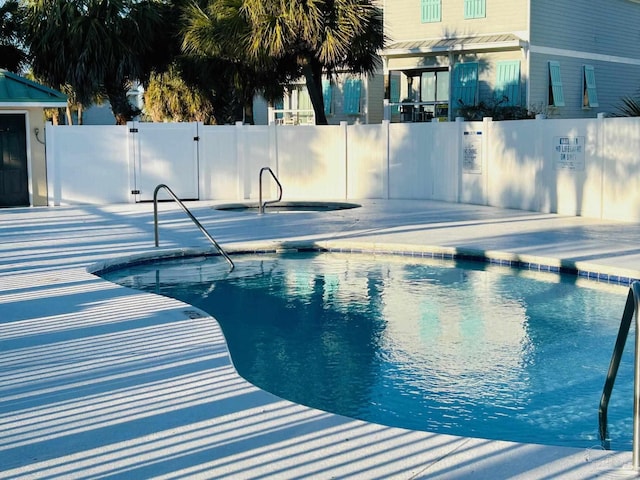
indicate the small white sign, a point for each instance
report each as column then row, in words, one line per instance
column 568, row 153
column 472, row 152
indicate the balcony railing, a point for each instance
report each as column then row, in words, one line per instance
column 291, row 117
column 419, row 111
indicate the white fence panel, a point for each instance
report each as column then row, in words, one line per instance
column 254, row 154
column 166, row 153
column 515, row 164
column 572, row 170
column 410, row 151
column 444, row 166
column 219, row 170
column 367, row 161
column 621, row 182
column 472, row 138
column 88, row 165
column 312, row 161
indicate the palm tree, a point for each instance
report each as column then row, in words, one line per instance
column 217, row 35
column 630, row 107
column 93, row 46
column 321, row 37
column 12, row 56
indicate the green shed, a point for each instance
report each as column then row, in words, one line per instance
column 23, row 173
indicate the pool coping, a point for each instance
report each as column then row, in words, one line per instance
column 588, row 270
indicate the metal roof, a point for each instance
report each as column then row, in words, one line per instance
column 17, row 91
column 438, row 45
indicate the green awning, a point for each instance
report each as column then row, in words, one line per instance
column 17, row 91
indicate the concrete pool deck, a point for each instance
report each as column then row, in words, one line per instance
column 99, row 381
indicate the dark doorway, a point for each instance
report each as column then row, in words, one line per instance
column 14, row 181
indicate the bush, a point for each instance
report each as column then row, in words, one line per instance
column 496, row 109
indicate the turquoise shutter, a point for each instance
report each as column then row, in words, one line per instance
column 327, row 94
column 351, row 92
column 279, row 105
column 431, row 11
column 555, row 81
column 508, row 82
column 474, row 9
column 465, row 84
column 394, row 93
column 590, row 87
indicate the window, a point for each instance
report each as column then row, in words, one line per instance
column 431, row 11
column 556, row 95
column 465, row 84
column 590, row 94
column 351, row 92
column 303, row 99
column 474, row 9
column 434, row 86
column 507, row 89
column 327, row 94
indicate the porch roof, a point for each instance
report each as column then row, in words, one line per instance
column 17, row 91
column 454, row 44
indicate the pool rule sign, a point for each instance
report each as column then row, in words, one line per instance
column 568, row 153
column 472, row 152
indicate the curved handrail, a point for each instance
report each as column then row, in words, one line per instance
column 194, row 219
column 262, row 204
column 631, row 311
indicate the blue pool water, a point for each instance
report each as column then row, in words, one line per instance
column 464, row 348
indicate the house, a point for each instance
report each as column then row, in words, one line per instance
column 351, row 98
column 565, row 59
column 23, row 176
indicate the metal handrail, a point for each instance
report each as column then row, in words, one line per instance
column 631, row 310
column 262, row 204
column 194, row 219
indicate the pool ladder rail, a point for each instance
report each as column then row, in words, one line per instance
column 188, row 212
column 631, row 311
column 261, row 204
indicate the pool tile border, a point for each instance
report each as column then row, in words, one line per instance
column 586, row 271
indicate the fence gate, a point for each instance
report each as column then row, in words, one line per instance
column 165, row 153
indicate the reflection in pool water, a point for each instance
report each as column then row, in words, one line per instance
column 464, row 348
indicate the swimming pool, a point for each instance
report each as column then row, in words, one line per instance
column 288, row 206
column 464, row 348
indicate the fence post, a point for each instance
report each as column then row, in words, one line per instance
column 459, row 154
column 244, row 179
column 387, row 158
column 545, row 187
column 487, row 124
column 51, row 162
column 600, row 153
column 344, row 126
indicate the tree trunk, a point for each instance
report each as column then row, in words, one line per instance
column 313, row 75
column 120, row 106
column 248, row 112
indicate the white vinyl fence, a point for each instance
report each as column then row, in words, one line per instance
column 586, row 167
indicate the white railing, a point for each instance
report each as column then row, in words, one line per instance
column 291, row 117
column 630, row 314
